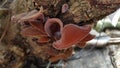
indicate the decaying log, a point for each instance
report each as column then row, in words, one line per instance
column 18, row 51
column 79, row 10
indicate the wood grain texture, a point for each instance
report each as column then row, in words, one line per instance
column 97, row 58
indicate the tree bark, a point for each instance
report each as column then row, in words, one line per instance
column 19, row 52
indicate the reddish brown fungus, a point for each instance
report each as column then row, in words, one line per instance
column 82, row 43
column 52, row 52
column 43, row 39
column 64, row 8
column 33, row 15
column 31, row 31
column 62, row 56
column 71, row 34
column 16, row 18
column 38, row 25
column 23, row 16
column 53, row 27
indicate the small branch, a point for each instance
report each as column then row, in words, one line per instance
column 103, row 40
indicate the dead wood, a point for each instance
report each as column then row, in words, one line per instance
column 17, row 51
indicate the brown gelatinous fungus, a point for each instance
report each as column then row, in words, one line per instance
column 16, row 18
column 22, row 16
column 43, row 39
column 31, row 31
column 52, row 52
column 71, row 34
column 37, row 25
column 33, row 15
column 82, row 43
column 53, row 27
column 62, row 56
column 64, row 8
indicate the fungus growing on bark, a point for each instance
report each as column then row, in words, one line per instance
column 25, row 15
column 64, row 8
column 31, row 31
column 53, row 27
column 53, row 31
column 71, row 34
column 62, row 56
column 82, row 43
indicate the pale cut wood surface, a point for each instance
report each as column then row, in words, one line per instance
column 99, row 58
column 106, row 57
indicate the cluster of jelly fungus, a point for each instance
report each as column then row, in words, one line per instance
column 65, row 36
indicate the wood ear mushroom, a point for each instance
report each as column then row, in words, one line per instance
column 70, row 35
column 53, row 27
